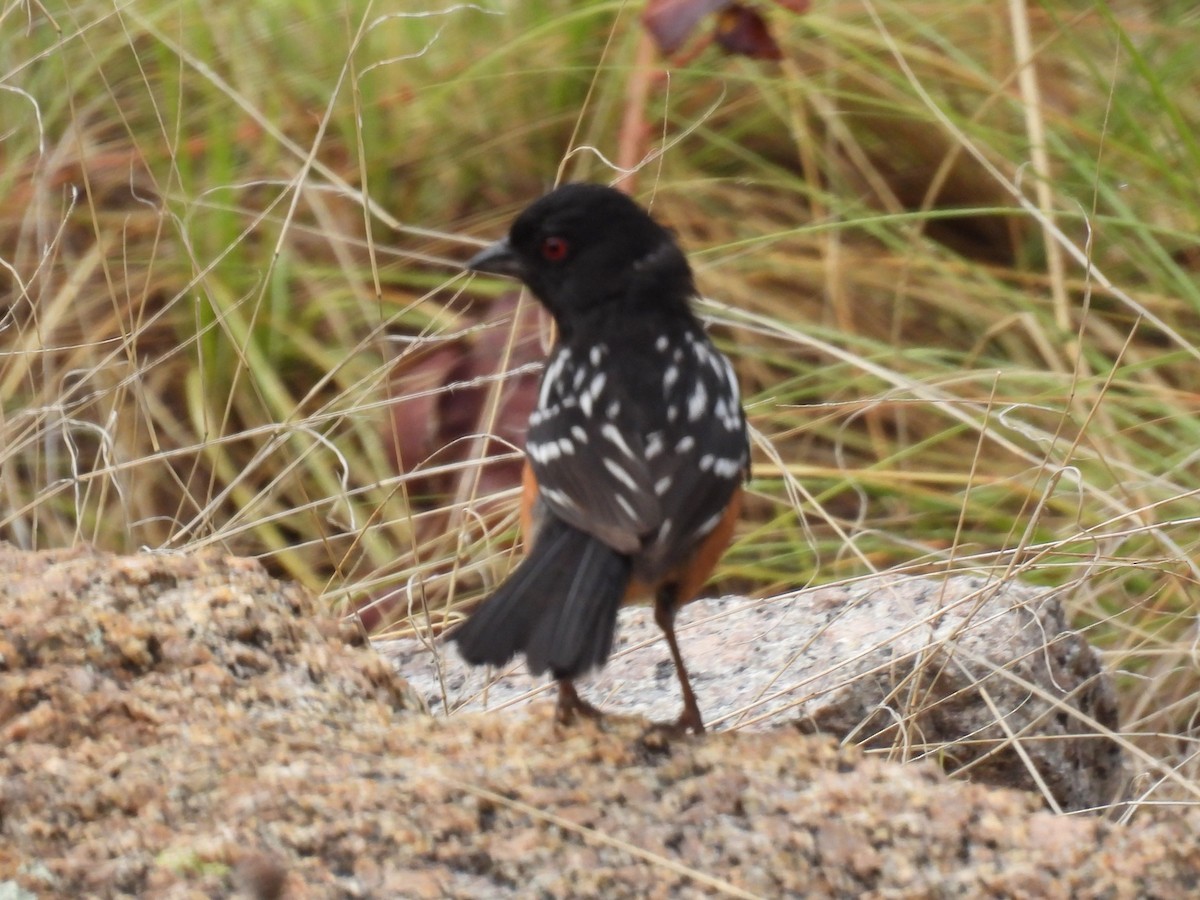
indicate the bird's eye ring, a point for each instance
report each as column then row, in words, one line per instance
column 554, row 249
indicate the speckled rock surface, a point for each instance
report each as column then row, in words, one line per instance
column 957, row 669
column 183, row 726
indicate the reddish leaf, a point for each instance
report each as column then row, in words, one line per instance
column 413, row 390
column 671, row 22
column 432, row 423
column 743, row 31
column 796, row 6
column 461, row 411
column 437, row 402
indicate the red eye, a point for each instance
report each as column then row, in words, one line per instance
column 554, row 249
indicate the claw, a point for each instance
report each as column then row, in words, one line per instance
column 570, row 704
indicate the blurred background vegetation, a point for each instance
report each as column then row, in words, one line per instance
column 951, row 247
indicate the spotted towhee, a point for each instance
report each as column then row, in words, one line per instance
column 636, row 450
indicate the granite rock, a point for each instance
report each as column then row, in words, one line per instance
column 179, row 726
column 986, row 678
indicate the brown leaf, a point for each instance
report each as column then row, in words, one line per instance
column 461, row 412
column 438, row 396
column 743, row 31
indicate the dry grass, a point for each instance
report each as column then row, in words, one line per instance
column 961, row 292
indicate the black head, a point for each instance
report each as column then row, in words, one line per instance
column 583, row 248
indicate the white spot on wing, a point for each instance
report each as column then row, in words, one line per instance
column 597, row 385
column 554, row 495
column 579, row 434
column 552, row 374
column 715, row 362
column 727, row 468
column 662, row 485
column 730, row 375
column 662, row 343
column 620, row 473
column 612, row 433
column 654, row 444
column 686, row 443
column 697, row 402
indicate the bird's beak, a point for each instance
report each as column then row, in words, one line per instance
column 497, row 259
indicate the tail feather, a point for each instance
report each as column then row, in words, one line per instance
column 576, row 634
column 559, row 607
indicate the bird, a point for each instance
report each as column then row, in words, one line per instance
column 637, row 449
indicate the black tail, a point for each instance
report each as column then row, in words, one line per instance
column 559, row 607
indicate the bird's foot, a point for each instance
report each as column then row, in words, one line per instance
column 570, row 706
column 658, row 737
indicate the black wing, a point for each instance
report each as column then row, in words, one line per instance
column 640, row 447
